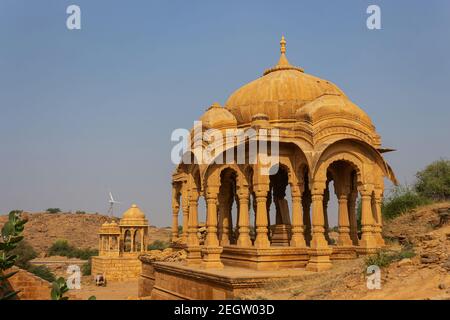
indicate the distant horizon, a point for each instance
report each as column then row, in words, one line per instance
column 85, row 112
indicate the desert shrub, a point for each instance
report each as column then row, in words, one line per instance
column 434, row 181
column 401, row 200
column 63, row 248
column 85, row 254
column 381, row 259
column 53, row 210
column 86, row 268
column 80, row 212
column 25, row 252
column 384, row 258
column 42, row 272
column 158, row 245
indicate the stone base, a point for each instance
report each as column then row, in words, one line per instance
column 116, row 268
column 174, row 281
column 319, row 259
column 194, row 256
column 211, row 258
column 281, row 234
column 271, row 258
column 367, row 250
column 343, row 253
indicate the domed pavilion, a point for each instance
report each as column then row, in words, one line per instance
column 120, row 245
column 268, row 222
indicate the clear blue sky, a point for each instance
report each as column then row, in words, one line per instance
column 91, row 110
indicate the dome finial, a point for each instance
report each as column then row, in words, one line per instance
column 283, row 63
column 283, row 45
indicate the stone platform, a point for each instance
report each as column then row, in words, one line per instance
column 271, row 258
column 117, row 268
column 175, row 281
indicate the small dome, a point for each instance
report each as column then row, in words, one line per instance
column 109, row 228
column 133, row 216
column 133, row 213
column 217, row 117
column 335, row 106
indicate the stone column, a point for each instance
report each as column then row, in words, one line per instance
column 132, row 231
column 193, row 246
column 175, row 211
column 344, row 223
column 306, row 205
column 326, row 199
column 142, row 240
column 320, row 252
column 298, row 238
column 185, row 208
column 378, row 196
column 212, row 250
column 351, row 203
column 368, row 243
column 262, row 240
column 225, row 213
column 244, row 220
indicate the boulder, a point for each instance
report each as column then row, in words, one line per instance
column 405, row 262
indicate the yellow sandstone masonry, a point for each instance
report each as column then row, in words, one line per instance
column 323, row 137
column 120, row 246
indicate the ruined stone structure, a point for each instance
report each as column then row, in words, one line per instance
column 120, row 246
column 279, row 221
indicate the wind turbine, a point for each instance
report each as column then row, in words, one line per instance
column 111, row 202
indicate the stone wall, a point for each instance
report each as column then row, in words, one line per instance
column 146, row 280
column 31, row 287
column 116, row 268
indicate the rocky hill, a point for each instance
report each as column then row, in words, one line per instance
column 79, row 229
column 425, row 275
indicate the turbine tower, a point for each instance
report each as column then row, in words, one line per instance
column 111, row 202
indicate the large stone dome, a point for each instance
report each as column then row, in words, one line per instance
column 281, row 92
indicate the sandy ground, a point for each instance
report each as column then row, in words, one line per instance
column 123, row 290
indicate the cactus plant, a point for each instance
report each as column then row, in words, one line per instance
column 10, row 236
column 59, row 288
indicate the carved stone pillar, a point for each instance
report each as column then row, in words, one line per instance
column 298, row 238
column 193, row 246
column 320, row 251
column 212, row 250
column 175, row 211
column 225, row 215
column 306, row 204
column 244, row 220
column 344, row 223
column 376, row 207
column 262, row 240
column 132, row 232
column 184, row 235
column 351, row 203
column 368, row 242
column 326, row 199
